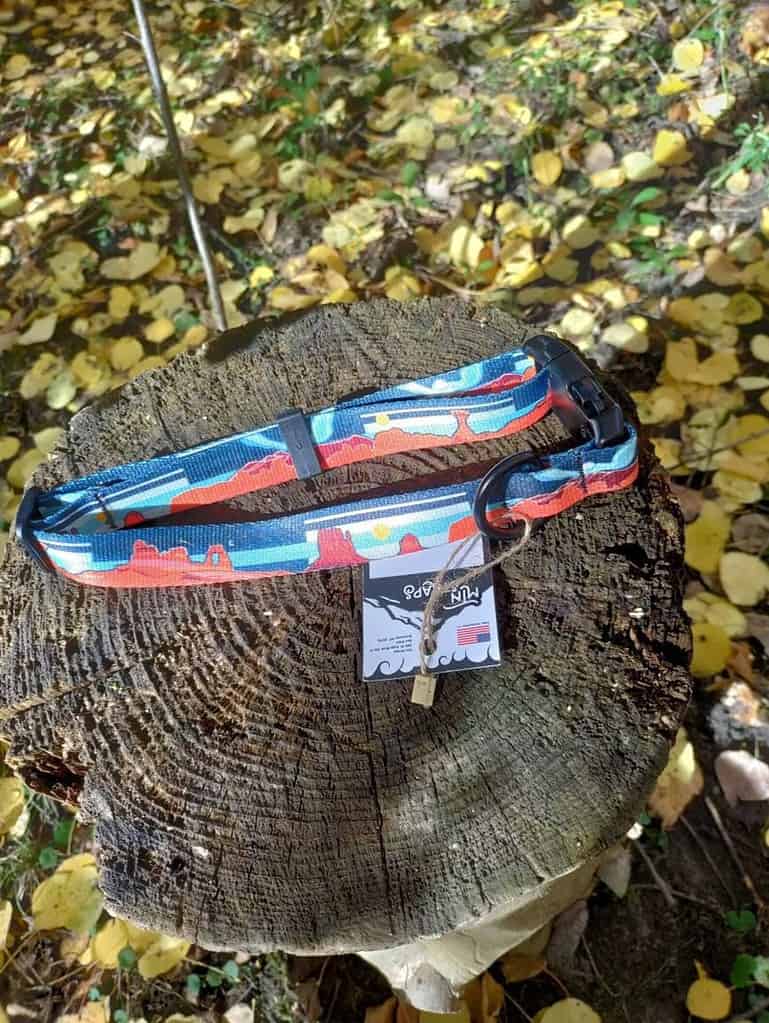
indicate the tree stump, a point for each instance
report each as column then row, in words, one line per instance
column 248, row 790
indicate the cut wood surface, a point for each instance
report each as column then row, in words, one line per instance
column 248, row 790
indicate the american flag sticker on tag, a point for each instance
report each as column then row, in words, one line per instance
column 470, row 635
column 395, row 592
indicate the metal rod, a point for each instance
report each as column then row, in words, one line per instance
column 198, row 231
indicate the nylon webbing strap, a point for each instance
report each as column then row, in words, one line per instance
column 98, row 530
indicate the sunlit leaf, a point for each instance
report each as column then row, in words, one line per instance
column 678, row 784
column 70, row 898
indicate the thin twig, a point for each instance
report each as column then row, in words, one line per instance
column 519, row 1007
column 682, row 895
column 747, row 880
column 596, row 971
column 198, row 231
column 662, row 884
column 754, row 1010
column 24, row 941
column 711, row 862
column 716, row 451
column 557, row 981
column 708, row 14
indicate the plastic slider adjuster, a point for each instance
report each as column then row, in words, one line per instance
column 23, row 529
column 579, row 401
column 297, row 437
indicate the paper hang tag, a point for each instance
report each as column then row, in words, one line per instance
column 423, row 690
column 395, row 592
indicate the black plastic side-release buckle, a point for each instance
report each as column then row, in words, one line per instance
column 297, row 437
column 23, row 528
column 578, row 398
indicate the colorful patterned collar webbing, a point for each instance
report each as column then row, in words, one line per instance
column 96, row 530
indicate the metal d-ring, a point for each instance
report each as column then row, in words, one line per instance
column 485, row 489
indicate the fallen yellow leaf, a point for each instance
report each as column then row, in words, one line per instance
column 707, row 998
column 16, row 66
column 125, row 352
column 743, row 308
column 6, row 913
column 159, row 330
column 261, row 275
column 417, row 135
column 120, row 301
column 744, row 578
column 688, row 54
column 579, row 233
column 706, row 538
column 465, row 246
column 568, row 1010
column 577, row 323
column 11, row 802
column 142, row 259
column 114, row 936
column 9, row 446
column 639, row 166
column 670, row 85
column 750, row 434
column 69, row 897
column 162, row 956
column 285, row 298
column 208, row 187
column 39, row 330
column 670, row 148
column 711, row 649
column 707, row 607
column 546, row 166
column 678, row 784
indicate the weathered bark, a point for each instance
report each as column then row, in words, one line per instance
column 248, row 790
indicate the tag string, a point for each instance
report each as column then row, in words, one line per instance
column 442, row 585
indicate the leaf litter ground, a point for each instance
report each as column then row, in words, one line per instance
column 596, row 168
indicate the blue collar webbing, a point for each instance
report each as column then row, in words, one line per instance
column 97, row 529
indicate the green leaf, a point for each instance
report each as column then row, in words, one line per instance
column 192, row 986
column 94, row 994
column 761, row 971
column 625, row 219
column 646, row 195
column 740, row 920
column 63, row 831
column 184, row 320
column 650, row 218
column 126, row 958
column 762, row 1017
column 410, row 172
column 742, row 970
column 48, row 858
column 120, row 1016
column 214, row 978
column 231, row 969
